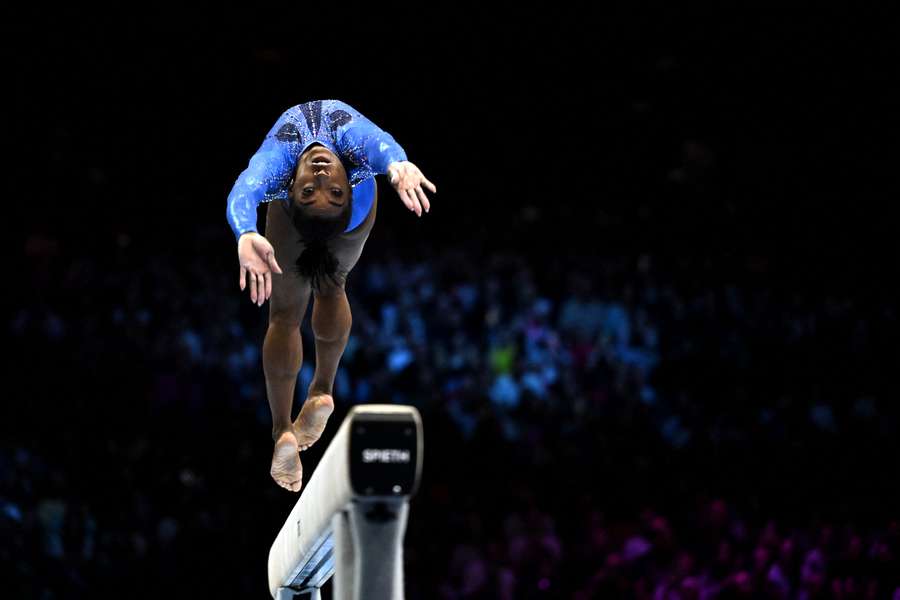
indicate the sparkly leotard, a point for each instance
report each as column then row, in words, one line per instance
column 363, row 147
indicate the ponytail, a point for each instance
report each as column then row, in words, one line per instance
column 317, row 262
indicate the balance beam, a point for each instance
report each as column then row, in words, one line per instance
column 351, row 516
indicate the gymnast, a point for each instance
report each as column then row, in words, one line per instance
column 317, row 168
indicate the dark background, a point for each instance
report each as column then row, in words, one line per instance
column 727, row 151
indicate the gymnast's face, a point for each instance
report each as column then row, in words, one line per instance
column 320, row 182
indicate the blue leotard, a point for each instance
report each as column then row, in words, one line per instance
column 363, row 147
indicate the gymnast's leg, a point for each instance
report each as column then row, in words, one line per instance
column 331, row 322
column 282, row 358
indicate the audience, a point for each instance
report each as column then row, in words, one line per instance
column 622, row 435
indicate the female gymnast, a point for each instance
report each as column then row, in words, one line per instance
column 317, row 167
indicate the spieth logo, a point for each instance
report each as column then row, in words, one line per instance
column 385, row 455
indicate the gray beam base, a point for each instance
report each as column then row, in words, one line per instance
column 368, row 544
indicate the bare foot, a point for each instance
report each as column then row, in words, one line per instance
column 286, row 468
column 311, row 421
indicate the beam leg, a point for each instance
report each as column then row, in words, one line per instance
column 378, row 528
column 344, row 579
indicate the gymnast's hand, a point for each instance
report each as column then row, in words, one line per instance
column 257, row 258
column 407, row 179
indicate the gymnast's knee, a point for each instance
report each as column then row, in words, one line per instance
column 330, row 288
column 284, row 317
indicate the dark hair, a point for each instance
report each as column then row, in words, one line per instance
column 317, row 262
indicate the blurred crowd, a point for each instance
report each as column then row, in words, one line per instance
column 610, row 429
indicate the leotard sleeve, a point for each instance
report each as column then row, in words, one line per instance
column 268, row 172
column 366, row 143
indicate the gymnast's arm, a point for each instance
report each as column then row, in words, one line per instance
column 270, row 168
column 367, row 142
column 384, row 156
